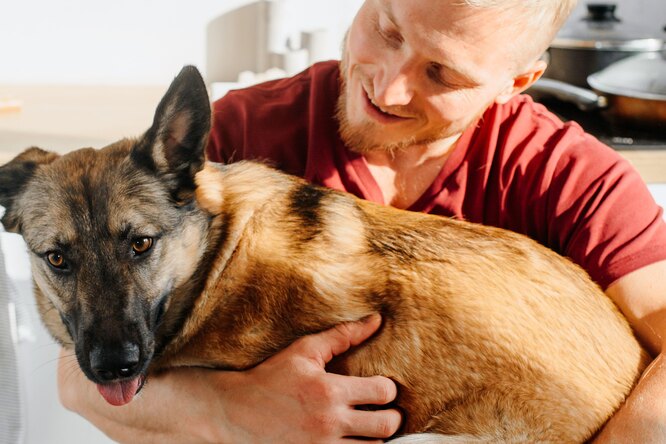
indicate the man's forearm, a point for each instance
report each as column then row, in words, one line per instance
column 642, row 418
column 289, row 398
column 154, row 416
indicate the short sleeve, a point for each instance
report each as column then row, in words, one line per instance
column 601, row 212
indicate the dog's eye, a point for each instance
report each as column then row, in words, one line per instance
column 142, row 244
column 56, row 260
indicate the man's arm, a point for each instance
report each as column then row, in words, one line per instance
column 289, row 399
column 641, row 296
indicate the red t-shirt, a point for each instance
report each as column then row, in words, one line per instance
column 518, row 168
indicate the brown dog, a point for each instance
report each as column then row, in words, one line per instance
column 145, row 257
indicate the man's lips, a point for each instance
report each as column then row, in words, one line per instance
column 377, row 113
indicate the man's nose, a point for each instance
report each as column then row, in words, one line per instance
column 393, row 88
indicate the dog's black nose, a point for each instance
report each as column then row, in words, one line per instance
column 110, row 363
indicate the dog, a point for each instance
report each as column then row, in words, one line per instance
column 147, row 257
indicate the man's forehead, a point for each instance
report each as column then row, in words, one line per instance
column 452, row 33
column 434, row 29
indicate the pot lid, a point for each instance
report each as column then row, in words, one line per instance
column 601, row 29
column 642, row 76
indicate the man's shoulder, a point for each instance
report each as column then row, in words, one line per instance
column 523, row 125
column 319, row 79
column 522, row 113
column 277, row 121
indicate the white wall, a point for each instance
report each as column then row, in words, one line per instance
column 128, row 41
column 147, row 41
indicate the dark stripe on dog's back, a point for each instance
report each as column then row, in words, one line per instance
column 304, row 205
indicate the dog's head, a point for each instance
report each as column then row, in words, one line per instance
column 112, row 233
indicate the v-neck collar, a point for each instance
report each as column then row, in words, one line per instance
column 358, row 173
column 332, row 164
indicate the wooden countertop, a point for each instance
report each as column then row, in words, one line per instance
column 63, row 118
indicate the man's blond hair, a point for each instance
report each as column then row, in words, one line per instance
column 543, row 18
column 552, row 13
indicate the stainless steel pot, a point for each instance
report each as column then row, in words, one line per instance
column 635, row 89
column 589, row 45
column 631, row 91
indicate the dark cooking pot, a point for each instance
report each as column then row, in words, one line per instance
column 631, row 91
column 589, row 45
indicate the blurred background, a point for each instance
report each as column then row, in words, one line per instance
column 79, row 73
column 147, row 41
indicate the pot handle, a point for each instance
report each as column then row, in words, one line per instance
column 584, row 99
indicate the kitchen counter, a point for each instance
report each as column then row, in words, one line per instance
column 63, row 118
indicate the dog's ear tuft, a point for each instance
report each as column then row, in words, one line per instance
column 174, row 145
column 14, row 176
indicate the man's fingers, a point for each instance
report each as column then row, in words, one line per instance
column 374, row 390
column 375, row 424
column 322, row 347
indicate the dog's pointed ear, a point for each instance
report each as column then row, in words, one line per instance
column 14, row 176
column 174, row 145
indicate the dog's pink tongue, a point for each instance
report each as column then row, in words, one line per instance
column 119, row 393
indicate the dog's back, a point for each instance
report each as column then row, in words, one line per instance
column 486, row 332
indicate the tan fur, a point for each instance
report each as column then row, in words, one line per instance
column 487, row 333
column 489, row 336
column 481, row 319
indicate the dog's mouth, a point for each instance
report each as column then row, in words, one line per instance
column 121, row 392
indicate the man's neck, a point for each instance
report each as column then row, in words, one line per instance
column 404, row 175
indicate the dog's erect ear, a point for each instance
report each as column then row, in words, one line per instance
column 174, row 145
column 13, row 178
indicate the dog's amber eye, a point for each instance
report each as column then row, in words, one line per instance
column 142, row 244
column 56, row 260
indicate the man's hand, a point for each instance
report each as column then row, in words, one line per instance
column 288, row 398
column 308, row 404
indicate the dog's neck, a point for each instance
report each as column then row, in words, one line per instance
column 248, row 268
column 230, row 196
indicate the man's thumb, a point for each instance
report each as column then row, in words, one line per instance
column 323, row 346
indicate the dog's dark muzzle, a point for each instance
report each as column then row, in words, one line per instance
column 118, row 362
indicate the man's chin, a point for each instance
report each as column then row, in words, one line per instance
column 369, row 138
column 374, row 145
column 366, row 137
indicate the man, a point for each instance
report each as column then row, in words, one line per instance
column 428, row 119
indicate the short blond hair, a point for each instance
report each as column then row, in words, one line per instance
column 542, row 12
column 544, row 17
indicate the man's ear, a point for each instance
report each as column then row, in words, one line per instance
column 14, row 177
column 173, row 147
column 522, row 81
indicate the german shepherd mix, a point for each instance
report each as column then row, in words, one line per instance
column 147, row 257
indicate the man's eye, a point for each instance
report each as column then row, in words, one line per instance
column 434, row 72
column 392, row 38
column 142, row 245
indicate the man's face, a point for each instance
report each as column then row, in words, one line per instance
column 422, row 70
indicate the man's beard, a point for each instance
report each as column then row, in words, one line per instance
column 361, row 137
